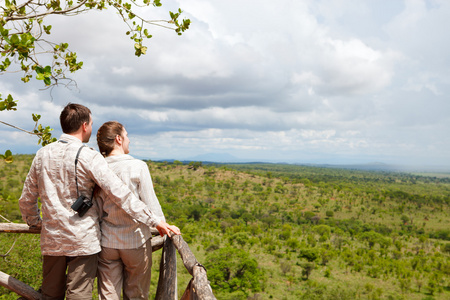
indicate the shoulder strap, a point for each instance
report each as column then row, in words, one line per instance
column 76, row 162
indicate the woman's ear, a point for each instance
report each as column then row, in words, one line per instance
column 118, row 140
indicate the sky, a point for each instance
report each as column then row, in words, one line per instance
column 301, row 81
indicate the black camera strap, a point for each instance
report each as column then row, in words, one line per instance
column 76, row 162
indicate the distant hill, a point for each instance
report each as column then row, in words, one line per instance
column 385, row 167
column 371, row 166
column 227, row 158
column 217, row 157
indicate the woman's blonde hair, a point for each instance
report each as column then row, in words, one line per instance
column 106, row 136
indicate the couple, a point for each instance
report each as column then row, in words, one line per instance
column 72, row 245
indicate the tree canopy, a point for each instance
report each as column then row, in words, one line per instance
column 231, row 269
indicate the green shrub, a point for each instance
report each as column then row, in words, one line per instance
column 232, row 270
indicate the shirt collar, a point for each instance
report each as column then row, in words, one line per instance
column 120, row 157
column 69, row 139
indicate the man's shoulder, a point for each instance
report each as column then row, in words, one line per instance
column 46, row 148
column 91, row 153
column 91, row 150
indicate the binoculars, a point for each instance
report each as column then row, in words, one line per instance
column 82, row 205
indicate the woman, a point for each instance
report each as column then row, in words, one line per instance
column 126, row 257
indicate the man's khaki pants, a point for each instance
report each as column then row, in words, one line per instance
column 76, row 284
column 129, row 269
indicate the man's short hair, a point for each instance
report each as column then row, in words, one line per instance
column 73, row 116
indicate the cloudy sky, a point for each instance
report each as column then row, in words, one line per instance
column 307, row 81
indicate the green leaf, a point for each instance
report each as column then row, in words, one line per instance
column 47, row 29
column 7, row 157
column 8, row 103
column 14, row 39
column 40, row 76
column 36, row 117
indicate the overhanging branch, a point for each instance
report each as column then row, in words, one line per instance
column 50, row 12
column 18, row 128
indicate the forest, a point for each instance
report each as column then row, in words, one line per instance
column 276, row 231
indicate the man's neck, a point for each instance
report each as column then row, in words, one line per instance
column 77, row 135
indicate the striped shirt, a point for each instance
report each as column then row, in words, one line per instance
column 119, row 230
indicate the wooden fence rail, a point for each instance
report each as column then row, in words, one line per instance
column 197, row 289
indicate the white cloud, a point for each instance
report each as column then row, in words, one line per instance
column 122, row 70
column 154, row 116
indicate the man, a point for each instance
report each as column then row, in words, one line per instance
column 70, row 241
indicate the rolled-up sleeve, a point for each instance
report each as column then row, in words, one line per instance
column 28, row 201
column 118, row 192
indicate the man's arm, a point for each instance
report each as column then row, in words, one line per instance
column 28, row 201
column 147, row 193
column 117, row 191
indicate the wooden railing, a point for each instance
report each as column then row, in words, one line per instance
column 198, row 287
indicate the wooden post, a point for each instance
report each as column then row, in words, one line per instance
column 201, row 284
column 18, row 287
column 186, row 254
column 189, row 293
column 167, row 282
column 157, row 243
column 199, row 287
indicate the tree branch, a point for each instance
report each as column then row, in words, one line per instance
column 29, row 132
column 50, row 12
column 24, row 4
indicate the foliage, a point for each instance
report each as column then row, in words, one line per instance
column 233, row 270
column 308, row 267
column 373, row 238
column 446, row 248
column 7, row 157
column 309, row 254
column 195, row 165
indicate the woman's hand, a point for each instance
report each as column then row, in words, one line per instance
column 164, row 228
